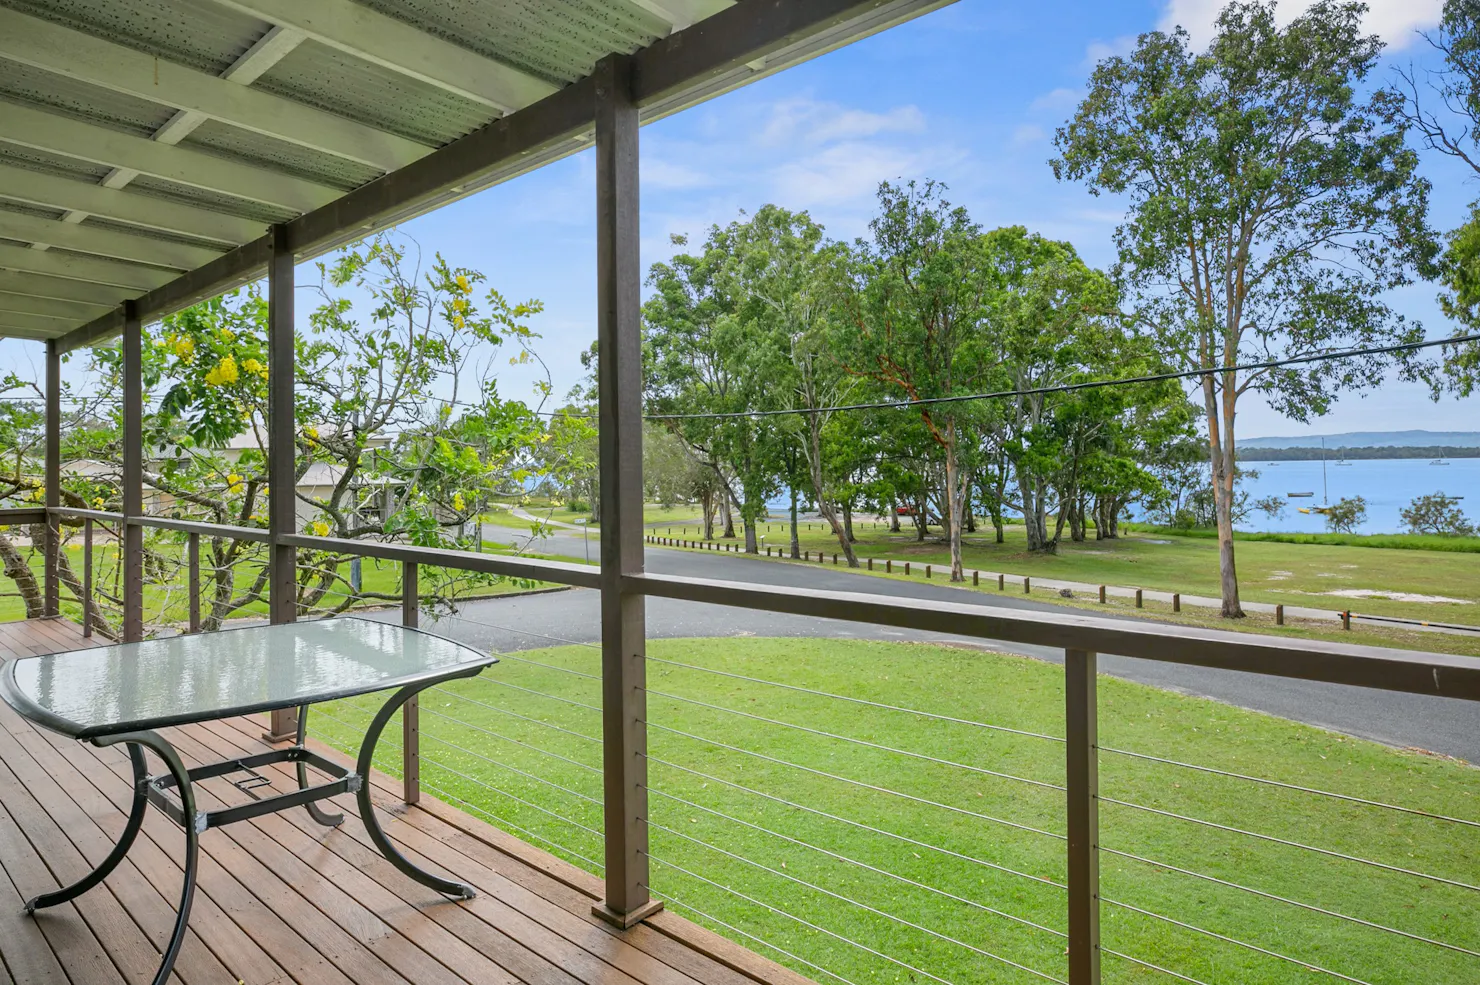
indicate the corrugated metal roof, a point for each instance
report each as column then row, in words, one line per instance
column 173, row 191
column 97, row 222
column 27, row 208
column 279, row 155
column 81, row 100
column 48, row 163
column 198, row 33
column 522, row 33
column 329, row 79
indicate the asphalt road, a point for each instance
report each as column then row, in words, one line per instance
column 1442, row 725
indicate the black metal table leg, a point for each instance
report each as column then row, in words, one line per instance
column 192, row 823
column 314, row 810
column 367, row 810
column 125, row 840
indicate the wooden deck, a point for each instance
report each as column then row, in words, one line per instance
column 282, row 899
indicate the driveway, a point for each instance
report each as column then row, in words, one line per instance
column 1443, row 725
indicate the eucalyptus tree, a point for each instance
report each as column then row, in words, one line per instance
column 1270, row 208
column 910, row 322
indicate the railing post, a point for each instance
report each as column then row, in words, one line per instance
column 411, row 710
column 87, row 591
column 133, row 475
column 195, row 583
column 619, row 385
column 52, row 595
column 1083, row 786
column 282, row 589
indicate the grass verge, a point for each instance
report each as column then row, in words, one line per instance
column 973, row 860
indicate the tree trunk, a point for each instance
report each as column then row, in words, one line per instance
column 751, row 546
column 707, row 500
column 18, row 571
column 814, row 466
column 955, row 501
column 848, row 522
column 894, row 520
column 796, row 542
column 727, row 513
column 1220, row 449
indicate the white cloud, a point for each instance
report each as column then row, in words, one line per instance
column 813, row 122
column 1027, row 134
column 851, row 171
column 660, row 173
column 1056, row 102
column 1396, row 21
column 1097, row 51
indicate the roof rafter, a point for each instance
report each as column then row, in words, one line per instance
column 62, row 288
column 112, row 243
column 385, row 41
column 39, row 188
column 68, row 311
column 54, row 48
column 34, row 127
column 16, row 325
column 88, row 269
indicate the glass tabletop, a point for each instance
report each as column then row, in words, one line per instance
column 131, row 686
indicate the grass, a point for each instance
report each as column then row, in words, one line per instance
column 651, row 512
column 1269, row 571
column 1400, row 542
column 500, row 753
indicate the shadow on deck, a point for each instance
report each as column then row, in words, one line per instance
column 282, row 899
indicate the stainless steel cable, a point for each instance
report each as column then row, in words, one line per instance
column 1235, row 941
column 564, row 670
column 540, row 694
column 906, row 839
column 506, row 823
column 1154, row 967
column 860, row 783
column 514, row 769
column 746, row 934
column 860, row 701
column 517, row 799
column 846, row 899
column 1282, row 899
column 1291, row 844
column 858, row 742
column 863, row 865
column 1291, row 786
column 515, row 714
column 507, row 738
column 520, row 632
column 805, row 923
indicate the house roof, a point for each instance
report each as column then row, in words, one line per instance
column 146, row 145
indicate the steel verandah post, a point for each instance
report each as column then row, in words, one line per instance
column 133, row 475
column 1082, row 785
column 619, row 385
column 281, row 452
column 52, row 599
column 411, row 710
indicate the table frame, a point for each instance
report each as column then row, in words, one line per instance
column 173, row 793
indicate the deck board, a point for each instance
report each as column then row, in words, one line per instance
column 282, row 899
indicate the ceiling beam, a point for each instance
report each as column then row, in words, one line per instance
column 16, row 325
column 103, row 242
column 394, row 44
column 704, row 57
column 54, row 48
column 69, row 311
column 63, row 289
column 33, row 127
column 86, row 269
column 53, row 191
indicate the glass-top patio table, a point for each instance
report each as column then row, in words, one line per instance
column 122, row 694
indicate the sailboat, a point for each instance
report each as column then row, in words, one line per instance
column 1325, row 506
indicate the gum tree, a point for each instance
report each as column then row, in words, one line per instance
column 1270, row 207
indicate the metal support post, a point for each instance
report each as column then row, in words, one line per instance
column 282, row 589
column 133, row 474
column 1082, row 773
column 411, row 710
column 195, row 583
column 87, row 584
column 52, row 597
column 619, row 384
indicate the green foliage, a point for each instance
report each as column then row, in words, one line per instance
column 1397, row 542
column 1437, row 513
column 1346, row 515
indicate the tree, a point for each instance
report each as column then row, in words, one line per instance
column 1271, row 506
column 911, row 318
column 1346, row 515
column 1269, row 210
column 1437, row 513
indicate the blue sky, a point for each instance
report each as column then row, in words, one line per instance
column 969, row 94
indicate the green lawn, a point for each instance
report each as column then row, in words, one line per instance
column 499, row 752
column 651, row 513
column 1295, row 574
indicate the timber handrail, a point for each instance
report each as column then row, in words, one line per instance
column 562, row 572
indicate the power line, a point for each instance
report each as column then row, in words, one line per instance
column 1074, row 387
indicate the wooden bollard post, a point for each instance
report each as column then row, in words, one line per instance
column 976, row 578
column 1346, row 619
column 871, row 564
column 1001, row 583
column 906, row 567
column 927, row 571
column 1138, row 598
column 1027, row 586
column 1279, row 614
column 835, row 559
column 888, row 566
column 1102, row 594
column 1176, row 602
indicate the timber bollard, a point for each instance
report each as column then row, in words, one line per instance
column 1001, row 583
column 976, row 578
column 835, row 559
column 871, row 564
column 888, row 566
column 1176, row 602
column 1279, row 614
column 927, row 571
column 1027, row 586
column 1138, row 598
column 906, row 567
column 1346, row 619
column 1102, row 594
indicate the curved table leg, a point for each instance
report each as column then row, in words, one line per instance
column 125, row 840
column 314, row 810
column 367, row 810
column 191, row 824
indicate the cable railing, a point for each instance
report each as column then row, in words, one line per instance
column 867, row 819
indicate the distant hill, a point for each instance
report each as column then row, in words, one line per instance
column 1371, row 439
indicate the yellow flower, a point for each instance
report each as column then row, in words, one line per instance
column 460, row 305
column 253, row 366
column 233, row 480
column 99, row 502
column 224, row 372
column 462, row 283
column 228, row 335
column 185, row 349
column 319, row 528
column 458, row 503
